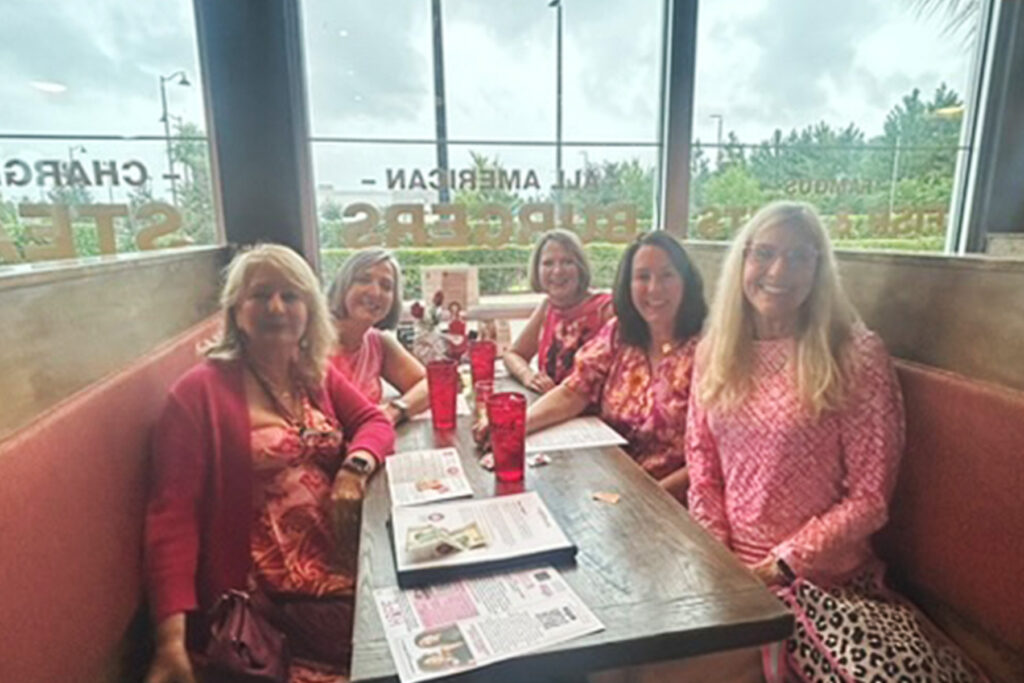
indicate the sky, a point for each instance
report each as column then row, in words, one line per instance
column 761, row 65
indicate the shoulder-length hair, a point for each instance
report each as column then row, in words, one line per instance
column 633, row 329
column 569, row 241
column 346, row 277
column 316, row 343
column 823, row 326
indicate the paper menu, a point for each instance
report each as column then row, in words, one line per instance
column 427, row 476
column 514, row 530
column 581, row 432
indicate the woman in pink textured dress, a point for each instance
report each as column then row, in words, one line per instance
column 794, row 437
column 366, row 300
column 570, row 315
column 260, row 461
column 637, row 370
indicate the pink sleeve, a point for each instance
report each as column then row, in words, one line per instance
column 593, row 362
column 871, row 436
column 171, row 541
column 366, row 427
column 706, row 496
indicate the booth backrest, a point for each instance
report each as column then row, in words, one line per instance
column 955, row 540
column 72, row 495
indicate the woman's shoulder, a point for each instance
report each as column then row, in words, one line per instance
column 206, row 375
column 865, row 343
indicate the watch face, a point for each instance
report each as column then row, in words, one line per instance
column 358, row 464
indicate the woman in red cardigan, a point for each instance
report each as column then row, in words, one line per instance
column 259, row 465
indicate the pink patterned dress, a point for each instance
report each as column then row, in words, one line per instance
column 566, row 330
column 363, row 366
column 291, row 540
column 769, row 479
column 646, row 405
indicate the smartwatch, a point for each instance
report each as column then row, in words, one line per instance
column 403, row 409
column 359, row 465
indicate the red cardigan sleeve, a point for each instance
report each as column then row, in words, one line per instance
column 172, row 512
column 366, row 427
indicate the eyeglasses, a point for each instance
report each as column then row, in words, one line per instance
column 802, row 257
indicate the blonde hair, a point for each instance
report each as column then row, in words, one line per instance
column 824, row 324
column 569, row 241
column 316, row 343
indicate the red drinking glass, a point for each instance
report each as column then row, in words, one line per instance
column 481, row 360
column 443, row 385
column 506, row 413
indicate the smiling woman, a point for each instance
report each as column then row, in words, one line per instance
column 366, row 299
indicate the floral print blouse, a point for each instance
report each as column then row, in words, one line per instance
column 646, row 405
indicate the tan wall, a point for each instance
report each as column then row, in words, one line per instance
column 64, row 328
column 963, row 314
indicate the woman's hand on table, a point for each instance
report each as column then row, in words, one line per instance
column 482, row 433
column 768, row 571
column 677, row 483
column 540, row 383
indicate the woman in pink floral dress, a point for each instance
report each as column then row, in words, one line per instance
column 570, row 315
column 794, row 438
column 637, row 370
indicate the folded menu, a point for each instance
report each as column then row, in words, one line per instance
column 416, row 477
column 444, row 541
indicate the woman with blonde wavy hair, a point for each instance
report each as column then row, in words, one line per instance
column 794, row 436
column 259, row 464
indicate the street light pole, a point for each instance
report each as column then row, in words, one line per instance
column 719, row 145
column 440, row 118
column 557, row 4
column 182, row 80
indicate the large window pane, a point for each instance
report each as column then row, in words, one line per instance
column 506, row 174
column 102, row 132
column 856, row 108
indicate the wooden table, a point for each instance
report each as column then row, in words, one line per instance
column 662, row 586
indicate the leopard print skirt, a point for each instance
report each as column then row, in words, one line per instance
column 862, row 632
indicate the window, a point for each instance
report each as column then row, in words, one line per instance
column 857, row 108
column 502, row 172
column 102, row 136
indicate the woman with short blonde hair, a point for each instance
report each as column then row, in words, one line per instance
column 365, row 299
column 793, row 441
column 570, row 315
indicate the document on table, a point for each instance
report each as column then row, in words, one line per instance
column 580, row 432
column 437, row 542
column 443, row 629
column 416, row 477
column 461, row 408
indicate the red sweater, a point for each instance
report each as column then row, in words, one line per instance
column 200, row 498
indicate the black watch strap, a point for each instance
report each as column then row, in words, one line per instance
column 358, row 464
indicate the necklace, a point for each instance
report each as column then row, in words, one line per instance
column 276, row 396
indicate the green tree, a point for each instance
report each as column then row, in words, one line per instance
column 190, row 148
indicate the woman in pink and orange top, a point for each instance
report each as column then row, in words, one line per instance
column 794, row 437
column 637, row 370
column 366, row 300
column 570, row 315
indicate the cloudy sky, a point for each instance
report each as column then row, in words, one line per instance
column 761, row 65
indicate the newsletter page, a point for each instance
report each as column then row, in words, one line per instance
column 441, row 630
